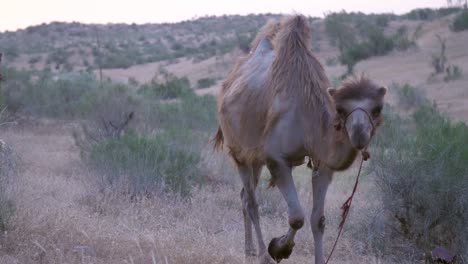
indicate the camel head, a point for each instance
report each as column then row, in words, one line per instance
column 358, row 105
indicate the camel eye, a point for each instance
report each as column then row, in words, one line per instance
column 376, row 111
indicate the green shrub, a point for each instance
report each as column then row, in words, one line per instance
column 172, row 88
column 422, row 175
column 409, row 97
column 147, row 164
column 8, row 167
column 205, row 83
column 430, row 14
column 461, row 21
column 453, row 72
column 401, row 39
column 70, row 95
column 359, row 36
column 58, row 56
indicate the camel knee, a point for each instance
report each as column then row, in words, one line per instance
column 317, row 223
column 296, row 221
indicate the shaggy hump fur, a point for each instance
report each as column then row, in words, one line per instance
column 279, row 66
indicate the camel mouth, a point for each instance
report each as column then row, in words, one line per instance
column 359, row 139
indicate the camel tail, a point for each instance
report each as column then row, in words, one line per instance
column 218, row 140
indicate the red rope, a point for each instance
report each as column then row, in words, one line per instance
column 346, row 205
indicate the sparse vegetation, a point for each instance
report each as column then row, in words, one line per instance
column 409, row 97
column 439, row 60
column 416, row 157
column 439, row 63
column 430, row 14
column 145, row 165
column 360, row 36
column 461, row 21
column 171, row 89
column 453, row 72
column 205, row 83
column 8, row 169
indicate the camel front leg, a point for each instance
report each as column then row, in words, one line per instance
column 281, row 247
column 320, row 181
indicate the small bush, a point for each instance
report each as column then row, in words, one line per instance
column 409, row 97
column 8, row 167
column 439, row 60
column 453, row 72
column 205, row 83
column 421, row 171
column 461, row 21
column 430, row 14
column 145, row 165
column 171, row 89
column 63, row 97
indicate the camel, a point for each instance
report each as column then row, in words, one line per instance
column 276, row 108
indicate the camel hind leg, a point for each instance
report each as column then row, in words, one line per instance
column 249, row 176
column 249, row 246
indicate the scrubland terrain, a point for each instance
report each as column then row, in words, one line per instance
column 120, row 169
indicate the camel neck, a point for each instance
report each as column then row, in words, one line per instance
column 334, row 148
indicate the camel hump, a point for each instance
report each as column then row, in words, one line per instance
column 294, row 33
column 266, row 35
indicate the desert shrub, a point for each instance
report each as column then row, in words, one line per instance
column 8, row 167
column 70, row 95
column 64, row 97
column 430, row 14
column 439, row 60
column 34, row 60
column 172, row 88
column 453, row 72
column 160, row 150
column 58, row 56
column 143, row 164
column 359, row 36
column 401, row 39
column 409, row 96
column 421, row 172
column 461, row 21
column 205, row 83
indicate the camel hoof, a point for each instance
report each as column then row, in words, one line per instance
column 279, row 250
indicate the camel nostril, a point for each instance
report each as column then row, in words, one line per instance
column 359, row 140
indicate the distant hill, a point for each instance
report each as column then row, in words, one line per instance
column 387, row 47
column 75, row 45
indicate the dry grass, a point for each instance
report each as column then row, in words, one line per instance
column 61, row 217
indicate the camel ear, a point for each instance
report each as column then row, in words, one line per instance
column 331, row 91
column 382, row 90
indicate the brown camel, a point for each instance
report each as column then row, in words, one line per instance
column 276, row 108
